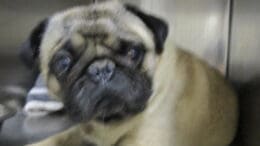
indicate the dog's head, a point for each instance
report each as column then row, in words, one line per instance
column 98, row 59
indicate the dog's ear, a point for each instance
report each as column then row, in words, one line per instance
column 158, row 26
column 29, row 51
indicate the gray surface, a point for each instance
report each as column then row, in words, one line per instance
column 245, row 41
column 20, row 130
column 18, row 17
column 244, row 67
column 249, row 129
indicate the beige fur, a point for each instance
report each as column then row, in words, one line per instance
column 191, row 104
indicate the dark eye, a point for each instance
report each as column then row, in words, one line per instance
column 61, row 64
column 134, row 53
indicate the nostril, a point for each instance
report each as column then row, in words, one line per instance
column 108, row 70
column 97, row 73
column 92, row 70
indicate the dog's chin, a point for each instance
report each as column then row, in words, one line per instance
column 124, row 96
column 113, row 109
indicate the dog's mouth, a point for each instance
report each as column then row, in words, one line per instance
column 108, row 118
column 110, row 112
column 104, row 108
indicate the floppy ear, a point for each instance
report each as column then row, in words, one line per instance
column 158, row 26
column 29, row 51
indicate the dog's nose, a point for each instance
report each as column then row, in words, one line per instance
column 101, row 70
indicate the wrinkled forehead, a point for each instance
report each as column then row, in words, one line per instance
column 92, row 23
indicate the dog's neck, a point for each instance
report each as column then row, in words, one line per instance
column 110, row 133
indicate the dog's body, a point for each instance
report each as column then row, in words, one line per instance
column 167, row 98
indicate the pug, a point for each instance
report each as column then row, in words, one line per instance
column 108, row 64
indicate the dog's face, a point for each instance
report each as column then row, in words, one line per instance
column 98, row 59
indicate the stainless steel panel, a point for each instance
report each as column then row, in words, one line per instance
column 244, row 67
column 245, row 41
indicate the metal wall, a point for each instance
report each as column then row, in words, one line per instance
column 244, row 64
column 244, row 67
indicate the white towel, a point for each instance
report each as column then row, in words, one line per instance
column 38, row 101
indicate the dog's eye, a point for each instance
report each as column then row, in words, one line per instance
column 62, row 64
column 134, row 53
column 131, row 51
